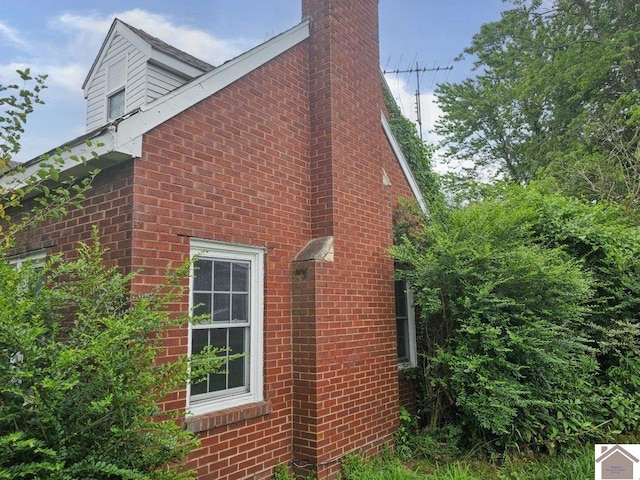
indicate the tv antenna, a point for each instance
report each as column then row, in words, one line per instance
column 418, row 70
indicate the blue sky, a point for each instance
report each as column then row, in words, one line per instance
column 61, row 38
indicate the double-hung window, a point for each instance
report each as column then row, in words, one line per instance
column 116, row 91
column 405, row 325
column 227, row 302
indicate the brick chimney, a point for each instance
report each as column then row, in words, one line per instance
column 344, row 351
column 345, row 94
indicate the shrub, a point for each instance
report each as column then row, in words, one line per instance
column 529, row 307
column 80, row 379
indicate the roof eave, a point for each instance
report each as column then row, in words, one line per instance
column 76, row 159
column 122, row 139
column 404, row 164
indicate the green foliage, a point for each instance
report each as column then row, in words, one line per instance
column 577, row 464
column 16, row 103
column 557, row 95
column 80, row 380
column 529, row 305
column 415, row 443
column 81, row 369
column 405, row 436
column 386, row 467
column 281, row 472
column 52, row 196
column 416, row 151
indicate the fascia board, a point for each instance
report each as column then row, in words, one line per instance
column 80, row 159
column 103, row 48
column 404, row 164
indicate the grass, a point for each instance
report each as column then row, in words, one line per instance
column 576, row 466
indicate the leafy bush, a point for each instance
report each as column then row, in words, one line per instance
column 80, row 379
column 528, row 300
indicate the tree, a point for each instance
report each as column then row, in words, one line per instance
column 557, row 95
column 81, row 375
column 16, row 103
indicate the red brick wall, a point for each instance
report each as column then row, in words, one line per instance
column 234, row 168
column 108, row 206
column 293, row 151
column 356, row 377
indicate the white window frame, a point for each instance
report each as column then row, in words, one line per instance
column 255, row 256
column 112, row 90
column 411, row 326
column 37, row 258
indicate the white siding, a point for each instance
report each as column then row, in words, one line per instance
column 96, row 95
column 135, row 80
column 145, row 81
column 160, row 82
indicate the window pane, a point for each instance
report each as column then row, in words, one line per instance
column 218, row 381
column 240, row 307
column 237, row 340
column 116, row 74
column 218, row 339
column 401, row 299
column 237, row 367
column 221, row 307
column 199, row 339
column 403, row 339
column 198, row 388
column 202, row 275
column 202, row 305
column 222, row 277
column 240, row 277
column 115, row 107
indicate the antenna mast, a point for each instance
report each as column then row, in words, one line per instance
column 418, row 70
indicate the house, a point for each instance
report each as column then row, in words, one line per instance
column 278, row 171
column 616, row 463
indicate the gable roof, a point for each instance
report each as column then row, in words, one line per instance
column 154, row 50
column 161, row 46
column 121, row 139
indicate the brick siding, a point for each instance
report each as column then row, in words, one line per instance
column 290, row 152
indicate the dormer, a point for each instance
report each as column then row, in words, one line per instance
column 132, row 69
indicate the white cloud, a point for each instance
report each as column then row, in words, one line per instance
column 10, row 34
column 90, row 30
column 64, row 76
column 73, row 41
